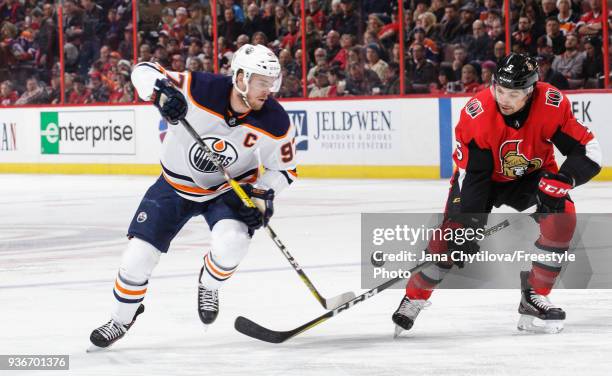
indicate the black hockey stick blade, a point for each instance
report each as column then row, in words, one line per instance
column 254, row 330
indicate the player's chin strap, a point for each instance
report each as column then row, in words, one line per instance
column 243, row 93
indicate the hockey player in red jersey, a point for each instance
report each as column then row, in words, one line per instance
column 504, row 156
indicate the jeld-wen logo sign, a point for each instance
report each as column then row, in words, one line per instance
column 87, row 132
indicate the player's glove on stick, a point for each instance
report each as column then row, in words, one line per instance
column 464, row 242
column 553, row 190
column 254, row 218
column 170, row 102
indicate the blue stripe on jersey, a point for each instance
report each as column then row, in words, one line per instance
column 211, row 90
column 175, row 175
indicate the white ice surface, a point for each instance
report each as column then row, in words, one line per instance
column 61, row 238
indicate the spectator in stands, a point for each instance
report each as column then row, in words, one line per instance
column 313, row 38
column 486, row 76
column 570, row 62
column 99, row 92
column 592, row 66
column 195, row 48
column 468, row 16
column 315, row 10
column 289, row 67
column 374, row 62
column 590, row 22
column 260, row 38
column 320, row 56
column 545, row 46
column 281, row 19
column 35, row 93
column 548, row 74
column 236, row 10
column 431, row 48
column 355, row 55
column 55, row 90
column 479, row 45
column 567, row 18
column 94, row 21
column 419, row 71
column 197, row 20
column 391, row 81
column 268, row 24
column 335, row 76
column 549, row 9
column 332, row 43
column 460, row 58
column 321, row 87
column 523, row 36
column 427, row 21
column 469, row 79
column 497, row 31
column 445, row 76
column 194, row 64
column 207, row 64
column 241, row 40
column 361, row 81
column 8, row 96
column 437, row 8
column 536, row 20
column 346, row 43
column 290, row 39
column 12, row 11
column 350, row 20
column 499, row 51
column 554, row 34
column 450, row 26
column 334, row 20
column 231, row 27
column 126, row 45
column 290, row 88
column 253, row 20
column 178, row 63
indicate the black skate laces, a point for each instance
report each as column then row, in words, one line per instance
column 111, row 330
column 209, row 299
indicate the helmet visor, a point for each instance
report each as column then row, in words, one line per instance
column 260, row 82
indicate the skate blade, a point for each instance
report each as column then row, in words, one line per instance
column 534, row 325
column 93, row 349
column 398, row 330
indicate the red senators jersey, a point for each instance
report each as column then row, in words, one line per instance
column 500, row 149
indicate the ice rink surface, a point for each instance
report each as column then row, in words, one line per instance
column 61, row 238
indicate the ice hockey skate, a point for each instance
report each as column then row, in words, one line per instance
column 406, row 313
column 208, row 303
column 109, row 333
column 538, row 314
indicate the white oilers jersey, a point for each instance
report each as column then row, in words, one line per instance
column 256, row 138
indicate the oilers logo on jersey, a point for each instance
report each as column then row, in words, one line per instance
column 224, row 151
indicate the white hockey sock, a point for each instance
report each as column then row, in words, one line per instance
column 137, row 263
column 230, row 243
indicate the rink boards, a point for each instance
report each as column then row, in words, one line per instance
column 346, row 138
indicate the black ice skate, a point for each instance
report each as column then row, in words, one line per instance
column 538, row 314
column 208, row 303
column 406, row 313
column 110, row 332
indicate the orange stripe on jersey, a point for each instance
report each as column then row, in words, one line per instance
column 215, row 270
column 128, row 292
column 266, row 133
column 187, row 188
column 196, row 103
column 293, row 172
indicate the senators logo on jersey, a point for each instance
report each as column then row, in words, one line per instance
column 225, row 152
column 514, row 164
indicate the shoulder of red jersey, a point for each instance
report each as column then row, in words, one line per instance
column 479, row 105
column 548, row 95
column 272, row 120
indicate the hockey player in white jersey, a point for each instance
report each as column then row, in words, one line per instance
column 245, row 127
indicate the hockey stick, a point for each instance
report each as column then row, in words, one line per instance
column 330, row 303
column 252, row 329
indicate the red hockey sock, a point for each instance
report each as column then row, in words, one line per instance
column 418, row 288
